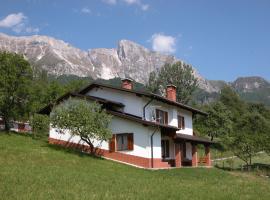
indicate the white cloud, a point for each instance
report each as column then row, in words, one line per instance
column 86, row 10
column 111, row 2
column 12, row 20
column 31, row 30
column 142, row 6
column 132, row 1
column 163, row 43
column 145, row 7
column 18, row 23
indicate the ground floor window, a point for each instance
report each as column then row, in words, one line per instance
column 124, row 141
column 165, row 148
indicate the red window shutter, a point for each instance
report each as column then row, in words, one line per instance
column 166, row 117
column 130, row 141
column 112, row 143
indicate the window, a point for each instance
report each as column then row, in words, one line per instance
column 124, row 141
column 165, row 148
column 181, row 122
column 161, row 116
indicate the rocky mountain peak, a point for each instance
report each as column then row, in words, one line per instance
column 247, row 84
column 58, row 58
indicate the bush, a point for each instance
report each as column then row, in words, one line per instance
column 40, row 124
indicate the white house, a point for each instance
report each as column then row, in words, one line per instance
column 17, row 126
column 149, row 130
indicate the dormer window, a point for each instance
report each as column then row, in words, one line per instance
column 161, row 116
column 181, row 122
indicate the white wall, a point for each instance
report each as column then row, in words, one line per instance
column 141, row 137
column 133, row 104
column 173, row 111
column 188, row 121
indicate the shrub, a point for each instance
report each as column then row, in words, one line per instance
column 40, row 124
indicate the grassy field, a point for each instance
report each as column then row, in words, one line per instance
column 32, row 169
column 236, row 163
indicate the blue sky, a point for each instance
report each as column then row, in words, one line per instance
column 222, row 39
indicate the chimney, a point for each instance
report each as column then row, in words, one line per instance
column 127, row 84
column 171, row 92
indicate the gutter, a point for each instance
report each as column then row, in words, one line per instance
column 152, row 152
column 145, row 107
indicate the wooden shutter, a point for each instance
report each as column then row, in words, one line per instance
column 112, row 143
column 183, row 123
column 179, row 121
column 157, row 115
column 130, row 141
column 166, row 117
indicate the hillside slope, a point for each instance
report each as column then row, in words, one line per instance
column 32, row 169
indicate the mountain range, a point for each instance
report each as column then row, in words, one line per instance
column 128, row 59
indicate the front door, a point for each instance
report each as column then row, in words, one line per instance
column 183, row 150
column 165, row 149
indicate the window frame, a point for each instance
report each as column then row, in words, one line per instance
column 129, row 141
column 181, row 122
column 164, row 115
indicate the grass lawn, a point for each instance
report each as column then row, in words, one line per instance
column 32, row 169
column 236, row 163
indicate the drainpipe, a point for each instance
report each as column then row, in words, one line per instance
column 152, row 152
column 145, row 107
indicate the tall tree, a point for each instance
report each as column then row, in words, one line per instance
column 84, row 119
column 249, row 136
column 250, row 126
column 217, row 124
column 15, row 82
column 178, row 74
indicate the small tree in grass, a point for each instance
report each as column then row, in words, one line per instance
column 84, row 119
column 40, row 124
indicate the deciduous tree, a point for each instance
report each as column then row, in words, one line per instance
column 218, row 122
column 15, row 85
column 178, row 74
column 84, row 119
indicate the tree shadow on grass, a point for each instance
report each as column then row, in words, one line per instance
column 76, row 151
column 26, row 134
column 10, row 133
column 259, row 169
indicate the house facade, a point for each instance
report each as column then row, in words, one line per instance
column 17, row 126
column 149, row 130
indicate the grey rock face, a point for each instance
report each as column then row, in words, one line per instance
column 57, row 57
column 249, row 84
